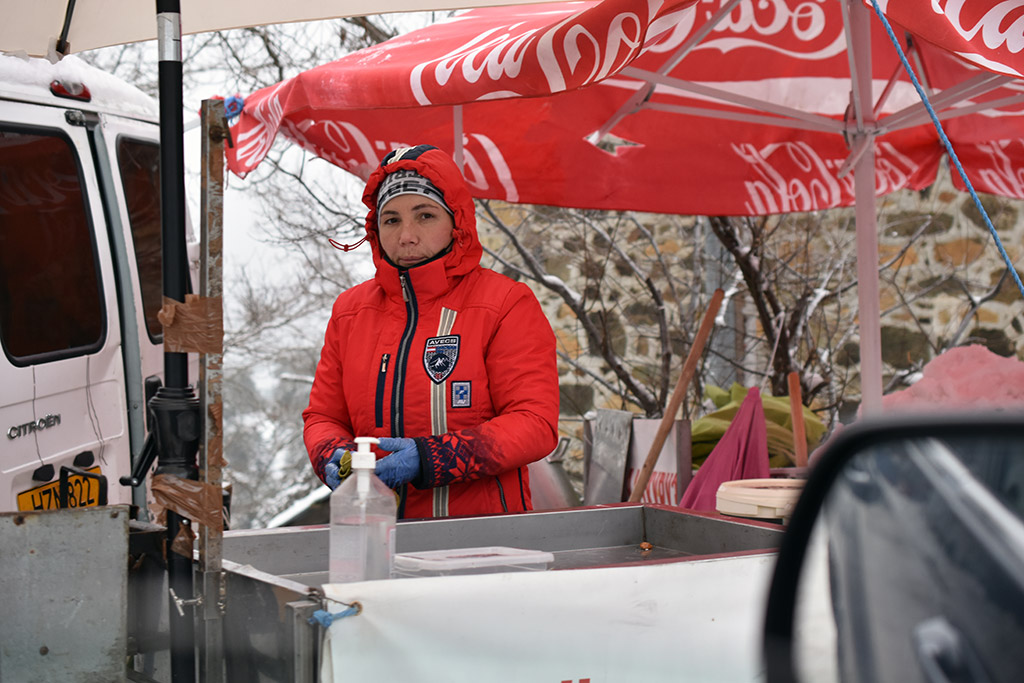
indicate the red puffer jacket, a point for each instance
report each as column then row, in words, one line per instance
column 463, row 361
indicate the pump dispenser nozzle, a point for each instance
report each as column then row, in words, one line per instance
column 364, row 458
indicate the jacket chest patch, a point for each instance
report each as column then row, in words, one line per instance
column 440, row 354
column 461, row 394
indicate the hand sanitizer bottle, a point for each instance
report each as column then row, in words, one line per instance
column 362, row 531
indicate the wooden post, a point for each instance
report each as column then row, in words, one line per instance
column 796, row 410
column 211, row 455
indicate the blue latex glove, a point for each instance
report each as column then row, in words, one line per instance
column 402, row 466
column 338, row 467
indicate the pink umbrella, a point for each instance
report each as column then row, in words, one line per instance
column 718, row 107
column 741, row 453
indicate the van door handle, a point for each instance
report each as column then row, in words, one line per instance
column 944, row 654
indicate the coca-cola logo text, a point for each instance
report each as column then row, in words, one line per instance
column 570, row 54
column 810, row 30
column 793, row 176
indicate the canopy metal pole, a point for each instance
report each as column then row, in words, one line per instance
column 459, row 149
column 869, row 308
column 172, row 172
column 175, row 407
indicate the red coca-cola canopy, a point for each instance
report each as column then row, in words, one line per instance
column 731, row 108
column 695, row 107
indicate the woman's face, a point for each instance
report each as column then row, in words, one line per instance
column 413, row 228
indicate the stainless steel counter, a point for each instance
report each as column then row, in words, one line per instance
column 578, row 537
column 274, row 575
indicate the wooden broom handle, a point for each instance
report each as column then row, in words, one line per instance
column 796, row 409
column 696, row 351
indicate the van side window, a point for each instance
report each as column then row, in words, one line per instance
column 50, row 295
column 140, row 176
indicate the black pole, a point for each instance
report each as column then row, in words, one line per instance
column 175, row 408
column 172, row 173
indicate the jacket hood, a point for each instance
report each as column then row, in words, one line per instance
column 438, row 167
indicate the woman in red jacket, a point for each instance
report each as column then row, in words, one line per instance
column 450, row 364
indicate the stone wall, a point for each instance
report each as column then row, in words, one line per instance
column 939, row 287
column 943, row 288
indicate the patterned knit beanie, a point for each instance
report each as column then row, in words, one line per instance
column 407, row 181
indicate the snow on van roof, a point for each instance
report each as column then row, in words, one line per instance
column 30, row 78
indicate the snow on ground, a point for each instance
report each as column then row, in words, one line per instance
column 315, row 496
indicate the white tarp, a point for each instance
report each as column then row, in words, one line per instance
column 698, row 620
column 34, row 26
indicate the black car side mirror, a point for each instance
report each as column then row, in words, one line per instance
column 904, row 557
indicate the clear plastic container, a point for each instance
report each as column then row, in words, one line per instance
column 471, row 561
column 362, row 530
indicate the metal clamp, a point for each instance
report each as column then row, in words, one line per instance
column 179, row 602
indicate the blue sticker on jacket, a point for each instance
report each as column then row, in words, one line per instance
column 440, row 354
column 461, row 394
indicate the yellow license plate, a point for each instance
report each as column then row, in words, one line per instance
column 82, row 492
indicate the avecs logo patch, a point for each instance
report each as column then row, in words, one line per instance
column 439, row 356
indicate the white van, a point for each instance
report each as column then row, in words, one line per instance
column 80, row 281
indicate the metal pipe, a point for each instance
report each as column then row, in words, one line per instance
column 643, row 94
column 62, row 46
column 787, row 116
column 172, row 172
column 868, row 315
column 175, row 406
column 180, row 614
column 457, row 141
column 747, row 117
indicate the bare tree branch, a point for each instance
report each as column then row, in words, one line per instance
column 599, row 339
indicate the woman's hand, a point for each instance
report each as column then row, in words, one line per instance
column 402, row 466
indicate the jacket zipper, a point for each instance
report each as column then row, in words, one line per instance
column 501, row 493
column 402, row 358
column 522, row 490
column 379, row 403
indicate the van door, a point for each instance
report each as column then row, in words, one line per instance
column 128, row 153
column 62, row 372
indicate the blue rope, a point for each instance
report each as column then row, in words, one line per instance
column 949, row 146
column 325, row 618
